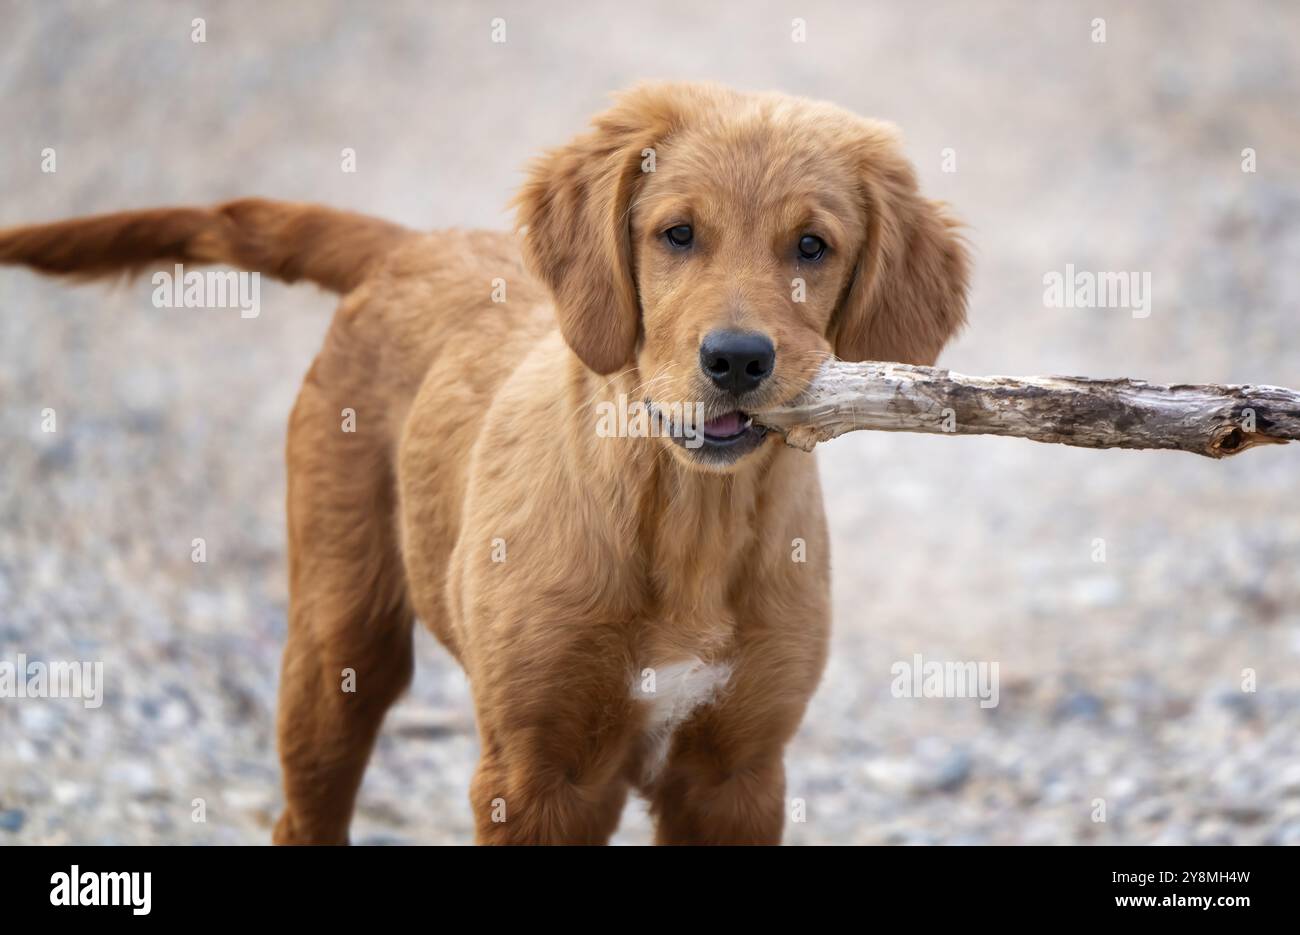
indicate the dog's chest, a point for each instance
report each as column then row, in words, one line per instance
column 671, row 694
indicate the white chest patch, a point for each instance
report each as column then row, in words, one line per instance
column 673, row 693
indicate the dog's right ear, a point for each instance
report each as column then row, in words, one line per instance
column 574, row 209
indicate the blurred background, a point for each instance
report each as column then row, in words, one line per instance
column 1121, row 680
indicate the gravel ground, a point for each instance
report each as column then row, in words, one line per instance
column 1120, row 680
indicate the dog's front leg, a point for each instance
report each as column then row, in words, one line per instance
column 520, row 801
column 556, row 721
column 548, row 780
column 724, row 780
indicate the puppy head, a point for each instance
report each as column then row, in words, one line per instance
column 724, row 245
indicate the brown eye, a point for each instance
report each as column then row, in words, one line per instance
column 680, row 236
column 811, row 248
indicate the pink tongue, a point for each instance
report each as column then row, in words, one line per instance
column 729, row 424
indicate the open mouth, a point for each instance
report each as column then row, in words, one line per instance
column 727, row 429
column 727, row 438
column 722, row 440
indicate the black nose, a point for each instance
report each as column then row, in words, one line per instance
column 737, row 361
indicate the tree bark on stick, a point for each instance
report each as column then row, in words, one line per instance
column 1208, row 419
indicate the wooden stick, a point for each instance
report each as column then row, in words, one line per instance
column 1211, row 420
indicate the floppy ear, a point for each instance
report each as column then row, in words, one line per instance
column 575, row 211
column 908, row 294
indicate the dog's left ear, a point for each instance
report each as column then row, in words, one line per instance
column 908, row 294
column 574, row 208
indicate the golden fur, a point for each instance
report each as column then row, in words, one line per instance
column 475, row 441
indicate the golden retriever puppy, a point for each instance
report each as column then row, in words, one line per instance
column 643, row 610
